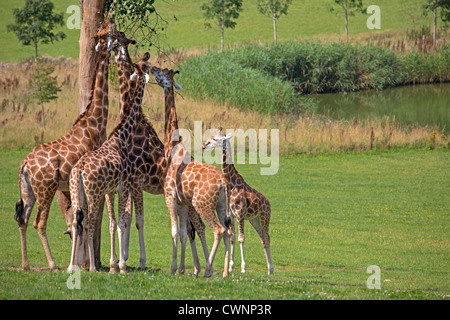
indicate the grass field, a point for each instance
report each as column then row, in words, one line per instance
column 306, row 19
column 332, row 217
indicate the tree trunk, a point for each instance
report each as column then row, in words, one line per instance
column 222, row 27
column 92, row 17
column 274, row 27
column 346, row 20
column 35, row 50
column 43, row 116
column 435, row 26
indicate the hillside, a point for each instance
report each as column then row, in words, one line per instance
column 306, row 19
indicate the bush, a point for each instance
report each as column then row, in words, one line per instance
column 219, row 78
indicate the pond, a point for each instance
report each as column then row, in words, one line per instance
column 425, row 104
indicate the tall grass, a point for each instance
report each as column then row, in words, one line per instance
column 20, row 121
column 221, row 78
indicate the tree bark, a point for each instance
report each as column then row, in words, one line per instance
column 92, row 12
column 435, row 26
column 274, row 27
column 222, row 28
column 346, row 20
column 92, row 17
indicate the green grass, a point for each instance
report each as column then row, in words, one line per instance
column 332, row 217
column 306, row 19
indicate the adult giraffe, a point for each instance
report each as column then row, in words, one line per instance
column 47, row 167
column 106, row 171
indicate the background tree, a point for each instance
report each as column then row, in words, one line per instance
column 224, row 12
column 45, row 87
column 433, row 6
column 348, row 7
column 274, row 9
column 34, row 23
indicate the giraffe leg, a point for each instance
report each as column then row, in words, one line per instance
column 196, row 224
column 40, row 223
column 221, row 209
column 92, row 217
column 265, row 240
column 129, row 210
column 266, row 244
column 183, row 215
column 232, row 242
column 113, row 267
column 122, row 225
column 208, row 214
column 138, row 199
column 172, row 206
column 241, row 240
column 29, row 200
column 63, row 198
column 75, row 238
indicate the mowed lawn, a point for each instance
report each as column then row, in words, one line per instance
column 186, row 25
column 333, row 216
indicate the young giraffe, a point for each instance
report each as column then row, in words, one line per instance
column 246, row 203
column 106, row 171
column 47, row 167
column 190, row 183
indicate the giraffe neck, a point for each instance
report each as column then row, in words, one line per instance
column 171, row 122
column 125, row 70
column 228, row 169
column 98, row 112
column 124, row 131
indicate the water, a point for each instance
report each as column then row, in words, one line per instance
column 427, row 104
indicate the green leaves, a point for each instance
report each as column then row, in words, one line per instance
column 138, row 18
column 45, row 86
column 273, row 8
column 223, row 11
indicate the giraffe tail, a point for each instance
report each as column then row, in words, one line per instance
column 80, row 217
column 76, row 195
column 18, row 216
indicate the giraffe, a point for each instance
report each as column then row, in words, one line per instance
column 150, row 163
column 246, row 203
column 106, row 171
column 148, row 153
column 46, row 169
column 190, row 183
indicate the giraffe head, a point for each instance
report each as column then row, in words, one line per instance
column 107, row 32
column 164, row 77
column 141, row 68
column 217, row 140
column 120, row 46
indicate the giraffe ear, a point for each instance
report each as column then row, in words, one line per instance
column 228, row 136
column 97, row 47
column 177, row 86
column 133, row 77
column 147, row 77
